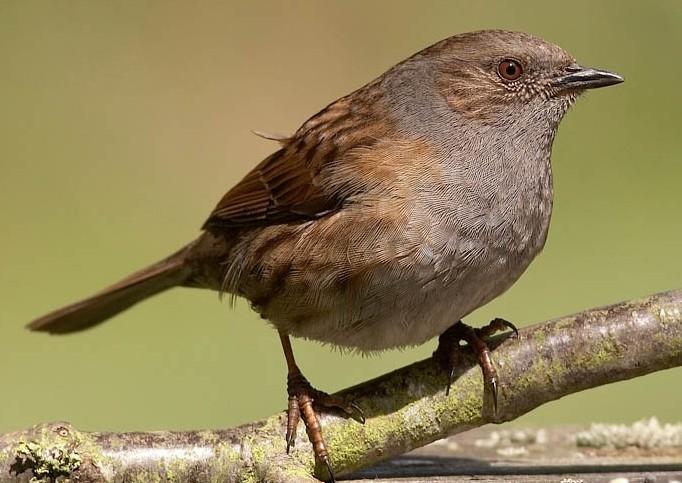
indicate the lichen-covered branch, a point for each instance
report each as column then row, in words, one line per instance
column 405, row 409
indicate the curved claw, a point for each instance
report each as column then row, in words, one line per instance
column 356, row 413
column 330, row 470
column 451, row 376
column 513, row 328
column 290, row 441
column 501, row 324
column 493, row 390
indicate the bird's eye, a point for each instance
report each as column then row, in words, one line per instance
column 510, row 69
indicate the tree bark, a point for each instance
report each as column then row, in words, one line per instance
column 405, row 409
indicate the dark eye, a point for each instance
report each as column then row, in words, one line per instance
column 510, row 69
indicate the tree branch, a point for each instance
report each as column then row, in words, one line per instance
column 405, row 409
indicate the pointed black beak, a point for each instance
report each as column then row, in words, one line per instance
column 577, row 77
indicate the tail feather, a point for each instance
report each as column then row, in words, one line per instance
column 91, row 311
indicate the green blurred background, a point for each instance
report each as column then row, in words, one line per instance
column 123, row 123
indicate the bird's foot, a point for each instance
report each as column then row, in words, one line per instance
column 303, row 401
column 448, row 351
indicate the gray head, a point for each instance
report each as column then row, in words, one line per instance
column 494, row 77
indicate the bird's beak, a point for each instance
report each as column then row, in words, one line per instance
column 578, row 77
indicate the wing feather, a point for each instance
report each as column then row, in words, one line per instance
column 289, row 184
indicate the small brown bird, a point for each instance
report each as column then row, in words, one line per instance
column 390, row 214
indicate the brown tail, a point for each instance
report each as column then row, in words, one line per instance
column 156, row 278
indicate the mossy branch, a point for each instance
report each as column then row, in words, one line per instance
column 405, row 409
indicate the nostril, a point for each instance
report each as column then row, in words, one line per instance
column 572, row 68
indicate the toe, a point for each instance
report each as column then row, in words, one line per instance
column 293, row 417
column 498, row 324
column 350, row 409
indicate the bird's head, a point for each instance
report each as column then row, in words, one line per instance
column 495, row 76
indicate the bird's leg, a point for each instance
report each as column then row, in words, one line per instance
column 302, row 398
column 448, row 350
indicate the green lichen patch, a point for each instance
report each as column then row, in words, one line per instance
column 602, row 352
column 667, row 315
column 534, row 376
column 564, row 323
column 557, row 370
column 539, row 337
column 45, row 462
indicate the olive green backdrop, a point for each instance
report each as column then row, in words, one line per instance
column 123, row 123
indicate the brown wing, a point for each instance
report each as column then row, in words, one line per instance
column 288, row 185
column 281, row 188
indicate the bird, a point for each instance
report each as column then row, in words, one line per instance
column 389, row 215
